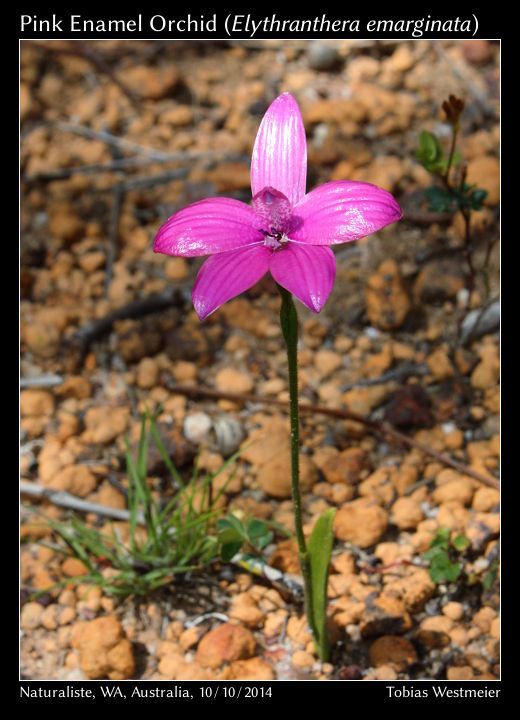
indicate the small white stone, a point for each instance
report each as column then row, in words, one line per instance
column 197, row 427
column 354, row 632
column 481, row 564
column 462, row 297
column 371, row 332
column 321, row 132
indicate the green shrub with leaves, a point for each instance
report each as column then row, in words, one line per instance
column 450, row 196
column 451, row 193
column 443, row 555
column 250, row 536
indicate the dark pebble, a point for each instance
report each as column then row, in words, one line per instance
column 323, row 57
column 45, row 599
column 351, row 672
column 409, row 407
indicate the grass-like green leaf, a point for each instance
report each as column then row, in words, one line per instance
column 490, row 576
column 320, row 550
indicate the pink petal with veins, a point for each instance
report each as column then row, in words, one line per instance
column 209, row 226
column 338, row 212
column 280, row 151
column 226, row 275
column 306, row 271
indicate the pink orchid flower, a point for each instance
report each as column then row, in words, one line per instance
column 284, row 230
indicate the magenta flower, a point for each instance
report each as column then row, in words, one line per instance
column 284, row 231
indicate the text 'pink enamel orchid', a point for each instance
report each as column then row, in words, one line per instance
column 284, row 230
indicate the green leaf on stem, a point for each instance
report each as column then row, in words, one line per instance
column 430, row 153
column 320, row 550
column 443, row 570
column 442, row 537
column 440, row 200
column 229, row 535
column 263, row 541
column 229, row 550
column 432, row 553
column 256, row 528
column 490, row 576
column 430, row 148
column 231, row 521
column 477, row 197
column 460, row 543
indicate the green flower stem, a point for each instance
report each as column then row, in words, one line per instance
column 289, row 323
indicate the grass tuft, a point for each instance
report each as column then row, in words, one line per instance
column 163, row 542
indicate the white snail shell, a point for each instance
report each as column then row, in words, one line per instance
column 228, row 434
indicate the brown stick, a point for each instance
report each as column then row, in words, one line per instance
column 115, row 166
column 81, row 340
column 109, row 139
column 117, row 202
column 381, row 428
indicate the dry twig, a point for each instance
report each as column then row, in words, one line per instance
column 400, row 373
column 377, row 427
column 82, row 338
column 40, row 381
column 66, row 500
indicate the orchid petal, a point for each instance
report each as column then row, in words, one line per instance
column 209, row 226
column 273, row 208
column 280, row 151
column 226, row 275
column 307, row 272
column 338, row 212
